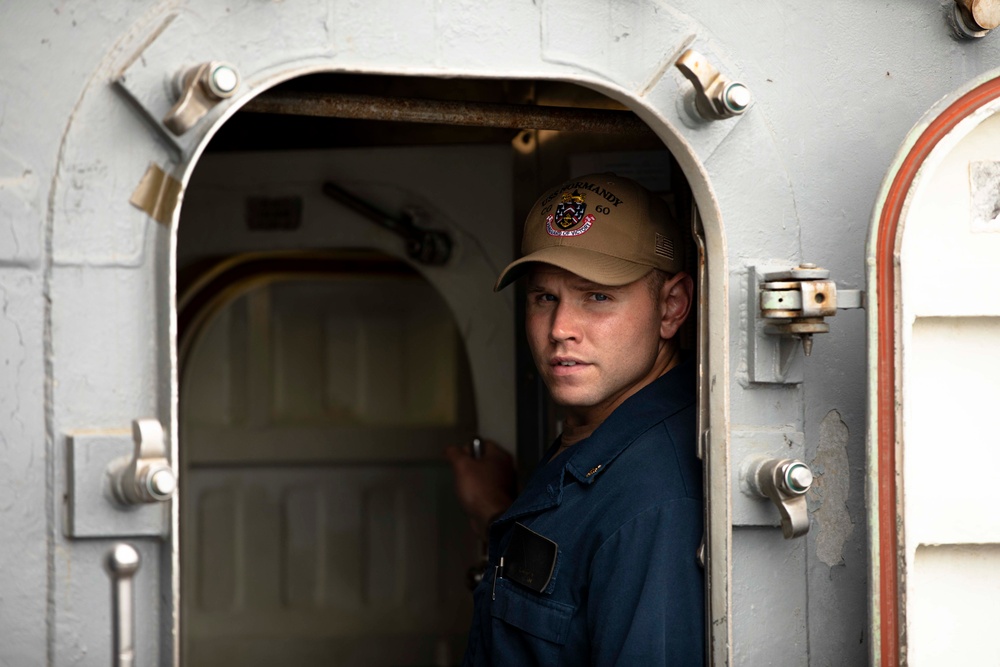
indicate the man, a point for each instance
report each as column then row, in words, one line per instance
column 595, row 562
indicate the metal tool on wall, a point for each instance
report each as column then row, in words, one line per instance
column 427, row 246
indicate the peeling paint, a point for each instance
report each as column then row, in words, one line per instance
column 830, row 491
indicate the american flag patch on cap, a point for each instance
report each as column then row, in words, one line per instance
column 664, row 246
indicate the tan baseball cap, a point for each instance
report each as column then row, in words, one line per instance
column 602, row 227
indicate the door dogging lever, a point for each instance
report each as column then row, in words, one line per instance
column 146, row 477
column 785, row 483
column 715, row 96
column 198, row 90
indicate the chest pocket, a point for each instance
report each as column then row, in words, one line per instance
column 534, row 615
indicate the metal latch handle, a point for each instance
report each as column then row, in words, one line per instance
column 147, row 476
column 123, row 562
column 199, row 89
column 716, row 97
column 785, row 483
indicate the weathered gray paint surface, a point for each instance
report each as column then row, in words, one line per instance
column 837, row 86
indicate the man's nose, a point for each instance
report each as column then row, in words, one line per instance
column 565, row 323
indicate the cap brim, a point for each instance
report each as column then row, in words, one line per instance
column 594, row 266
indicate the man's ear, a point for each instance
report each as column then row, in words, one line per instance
column 675, row 303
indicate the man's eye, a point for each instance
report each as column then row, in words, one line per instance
column 597, row 296
column 546, row 297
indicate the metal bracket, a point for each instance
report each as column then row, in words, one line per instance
column 771, row 359
column 92, row 510
column 158, row 194
column 177, row 78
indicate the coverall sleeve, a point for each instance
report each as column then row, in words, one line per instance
column 646, row 603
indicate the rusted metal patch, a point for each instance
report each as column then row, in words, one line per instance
column 158, row 194
column 446, row 112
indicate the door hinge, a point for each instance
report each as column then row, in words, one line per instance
column 789, row 307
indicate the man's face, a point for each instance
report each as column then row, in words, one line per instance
column 594, row 345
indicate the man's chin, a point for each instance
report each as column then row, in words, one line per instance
column 567, row 398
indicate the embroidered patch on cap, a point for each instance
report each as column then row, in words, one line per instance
column 664, row 246
column 568, row 218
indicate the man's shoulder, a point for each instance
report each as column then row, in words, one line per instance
column 645, row 452
column 662, row 461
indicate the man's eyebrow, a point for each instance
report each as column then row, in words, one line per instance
column 585, row 285
column 579, row 285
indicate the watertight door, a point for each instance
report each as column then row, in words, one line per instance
column 935, row 332
column 318, row 518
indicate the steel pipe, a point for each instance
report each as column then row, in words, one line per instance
column 444, row 112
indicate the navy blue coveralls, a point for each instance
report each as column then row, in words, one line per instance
column 625, row 508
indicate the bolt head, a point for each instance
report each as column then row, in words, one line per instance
column 736, row 97
column 163, row 483
column 799, row 477
column 223, row 80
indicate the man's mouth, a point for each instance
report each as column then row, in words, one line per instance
column 564, row 364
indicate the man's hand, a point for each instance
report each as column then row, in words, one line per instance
column 484, row 486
